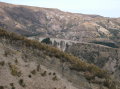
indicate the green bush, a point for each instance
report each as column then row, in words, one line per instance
column 46, row 41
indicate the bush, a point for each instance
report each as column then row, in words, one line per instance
column 1, row 87
column 46, row 41
column 33, row 72
column 44, row 73
column 14, row 70
column 2, row 63
column 21, row 82
column 55, row 78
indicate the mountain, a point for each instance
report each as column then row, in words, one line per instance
column 28, row 64
column 92, row 39
column 46, row 22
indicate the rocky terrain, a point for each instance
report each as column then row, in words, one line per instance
column 27, row 64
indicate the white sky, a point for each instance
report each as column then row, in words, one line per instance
column 107, row 8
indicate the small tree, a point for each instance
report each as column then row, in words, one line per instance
column 47, row 41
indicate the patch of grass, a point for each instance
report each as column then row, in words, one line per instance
column 14, row 70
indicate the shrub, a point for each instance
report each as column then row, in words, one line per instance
column 50, row 73
column 29, row 76
column 33, row 72
column 16, row 61
column 1, row 87
column 6, row 53
column 38, row 67
column 21, row 82
column 14, row 70
column 2, row 63
column 44, row 73
column 12, row 85
column 46, row 41
column 55, row 78
column 54, row 73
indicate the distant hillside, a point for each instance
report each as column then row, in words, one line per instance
column 46, row 22
column 27, row 64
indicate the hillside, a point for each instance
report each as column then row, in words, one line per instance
column 105, row 57
column 27, row 64
column 46, row 22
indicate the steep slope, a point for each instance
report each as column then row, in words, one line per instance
column 105, row 56
column 45, row 22
column 102, row 56
column 27, row 64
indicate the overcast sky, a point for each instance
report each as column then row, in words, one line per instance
column 107, row 8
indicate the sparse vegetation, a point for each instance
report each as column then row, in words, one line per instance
column 76, row 63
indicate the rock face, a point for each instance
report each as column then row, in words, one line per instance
column 27, row 64
column 35, row 21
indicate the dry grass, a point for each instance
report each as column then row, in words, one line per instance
column 14, row 70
